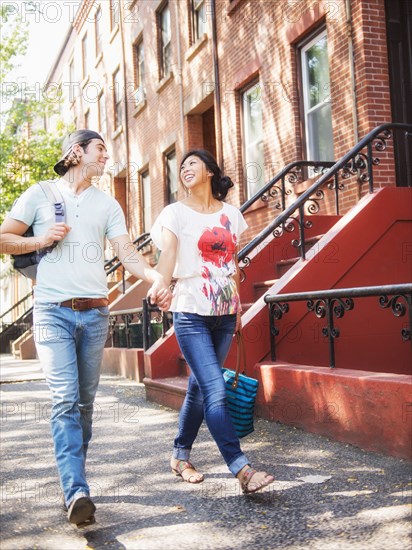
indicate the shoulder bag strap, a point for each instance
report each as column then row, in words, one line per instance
column 53, row 194
column 240, row 359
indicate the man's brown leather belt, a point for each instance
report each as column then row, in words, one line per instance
column 81, row 304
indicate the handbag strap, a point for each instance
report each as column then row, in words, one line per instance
column 241, row 358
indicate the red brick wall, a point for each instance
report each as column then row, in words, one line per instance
column 256, row 40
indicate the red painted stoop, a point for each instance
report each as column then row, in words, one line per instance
column 370, row 410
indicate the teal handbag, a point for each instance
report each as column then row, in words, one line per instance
column 240, row 393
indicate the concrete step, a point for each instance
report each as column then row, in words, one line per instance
column 363, row 408
column 167, row 391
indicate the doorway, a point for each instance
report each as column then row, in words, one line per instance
column 399, row 39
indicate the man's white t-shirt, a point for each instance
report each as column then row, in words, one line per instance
column 75, row 268
column 205, row 262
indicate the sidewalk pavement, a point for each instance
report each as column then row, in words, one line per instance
column 327, row 495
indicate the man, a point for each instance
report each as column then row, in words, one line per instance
column 70, row 298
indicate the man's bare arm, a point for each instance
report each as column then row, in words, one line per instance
column 13, row 242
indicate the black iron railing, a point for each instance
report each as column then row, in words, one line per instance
column 14, row 309
column 12, row 331
column 292, row 174
column 331, row 304
column 138, row 327
column 359, row 162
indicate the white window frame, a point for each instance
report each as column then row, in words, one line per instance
column 101, row 110
column 250, row 146
column 146, row 200
column 97, row 31
column 172, row 186
column 199, row 19
column 165, row 40
column 140, row 84
column 85, row 68
column 311, row 147
column 117, row 99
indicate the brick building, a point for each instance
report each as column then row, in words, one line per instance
column 260, row 83
column 263, row 84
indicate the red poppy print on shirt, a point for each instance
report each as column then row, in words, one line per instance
column 217, row 245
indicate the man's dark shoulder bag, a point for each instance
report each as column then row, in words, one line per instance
column 26, row 264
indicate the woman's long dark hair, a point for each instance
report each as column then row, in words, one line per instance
column 220, row 184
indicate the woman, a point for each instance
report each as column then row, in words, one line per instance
column 198, row 241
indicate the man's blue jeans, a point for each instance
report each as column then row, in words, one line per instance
column 70, row 348
column 205, row 342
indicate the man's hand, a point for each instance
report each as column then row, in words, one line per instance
column 13, row 242
column 56, row 232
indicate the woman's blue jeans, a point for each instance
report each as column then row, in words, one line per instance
column 205, row 342
column 70, row 348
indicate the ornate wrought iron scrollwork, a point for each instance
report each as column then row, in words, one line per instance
column 290, row 225
column 275, row 192
column 335, row 185
column 276, row 311
column 380, row 142
column 243, row 264
column 313, row 202
column 399, row 309
column 330, row 307
column 361, row 164
column 295, row 175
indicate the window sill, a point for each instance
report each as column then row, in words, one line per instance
column 139, row 107
column 164, row 82
column 196, row 47
column 117, row 132
column 257, row 206
column 113, row 33
column 85, row 81
column 98, row 59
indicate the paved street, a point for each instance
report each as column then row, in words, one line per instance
column 327, row 495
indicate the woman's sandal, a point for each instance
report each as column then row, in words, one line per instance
column 248, row 486
column 183, row 466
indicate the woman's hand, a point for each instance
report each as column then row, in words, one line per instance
column 160, row 295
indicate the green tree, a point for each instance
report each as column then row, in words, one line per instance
column 27, row 150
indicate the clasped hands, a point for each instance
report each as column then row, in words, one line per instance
column 161, row 295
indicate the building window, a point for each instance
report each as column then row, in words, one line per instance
column 114, row 14
column 171, row 176
column 316, row 99
column 101, row 113
column 117, row 100
column 147, row 201
column 84, row 57
column 138, row 52
column 72, row 78
column 98, row 31
column 165, row 44
column 253, row 139
column 199, row 19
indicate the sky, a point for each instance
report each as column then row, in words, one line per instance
column 48, row 25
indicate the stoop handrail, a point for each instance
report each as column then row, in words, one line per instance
column 354, row 162
column 334, row 303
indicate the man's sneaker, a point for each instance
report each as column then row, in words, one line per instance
column 81, row 510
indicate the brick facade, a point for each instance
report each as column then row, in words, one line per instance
column 257, row 40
